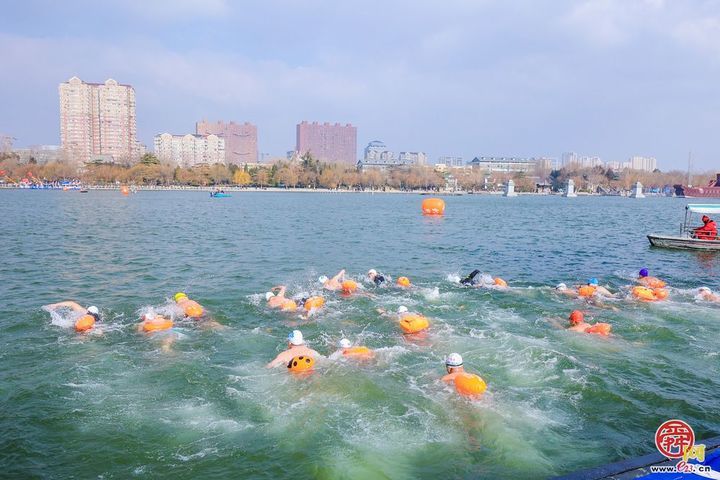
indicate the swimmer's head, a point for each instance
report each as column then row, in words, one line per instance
column 150, row 316
column 454, row 360
column 704, row 290
column 561, row 287
column 323, row 279
column 296, row 338
column 643, row 273
column 93, row 310
column 402, row 309
column 593, row 281
column 576, row 317
column 269, row 295
column 178, row 296
column 372, row 273
column 344, row 343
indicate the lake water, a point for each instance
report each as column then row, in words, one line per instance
column 118, row 405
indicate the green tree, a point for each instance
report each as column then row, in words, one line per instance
column 149, row 159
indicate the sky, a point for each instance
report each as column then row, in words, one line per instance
column 613, row 78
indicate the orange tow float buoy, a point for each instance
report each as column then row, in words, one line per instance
column 349, row 286
column 157, row 325
column 649, row 294
column 361, row 352
column 125, row 190
column 314, row 302
column 599, row 329
column 301, row 364
column 403, row 282
column 500, row 282
column 84, row 323
column 413, row 323
column 586, row 291
column 470, row 384
column 433, row 206
column 288, row 306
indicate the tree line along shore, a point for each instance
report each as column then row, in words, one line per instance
column 309, row 173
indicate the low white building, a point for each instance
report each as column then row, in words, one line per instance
column 190, row 150
column 412, row 158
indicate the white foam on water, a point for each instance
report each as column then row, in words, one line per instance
column 201, row 454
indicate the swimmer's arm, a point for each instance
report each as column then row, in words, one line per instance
column 69, row 304
column 278, row 361
column 339, row 275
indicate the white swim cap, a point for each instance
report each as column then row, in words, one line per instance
column 372, row 271
column 704, row 289
column 323, row 279
column 561, row 286
column 454, row 360
column 93, row 310
column 296, row 337
column 344, row 343
column 269, row 295
column 150, row 316
column 487, row 279
column 402, row 309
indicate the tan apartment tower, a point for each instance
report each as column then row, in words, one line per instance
column 328, row 143
column 97, row 121
column 240, row 139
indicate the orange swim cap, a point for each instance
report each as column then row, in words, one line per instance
column 576, row 316
column 301, row 364
column 349, row 286
column 84, row 323
column 403, row 281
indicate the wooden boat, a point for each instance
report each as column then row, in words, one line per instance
column 712, row 190
column 686, row 239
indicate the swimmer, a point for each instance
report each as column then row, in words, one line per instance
column 454, row 367
column 347, row 350
column 334, row 283
column 465, row 383
column 276, row 300
column 485, row 281
column 599, row 289
column 704, row 293
column 375, row 277
column 296, row 347
column 192, row 309
column 410, row 322
column 85, row 318
column 578, row 324
column 189, row 307
column 563, row 289
column 152, row 322
column 651, row 282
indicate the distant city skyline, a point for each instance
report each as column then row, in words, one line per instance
column 527, row 79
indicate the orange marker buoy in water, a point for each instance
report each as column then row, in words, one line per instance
column 433, row 206
column 470, row 384
column 124, row 190
column 84, row 323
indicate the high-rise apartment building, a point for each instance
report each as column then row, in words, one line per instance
column 97, row 120
column 328, row 143
column 413, row 158
column 190, row 150
column 240, row 139
column 647, row 164
column 451, row 161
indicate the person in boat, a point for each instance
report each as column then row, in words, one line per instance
column 334, row 283
column 708, row 231
column 375, row 277
column 296, row 347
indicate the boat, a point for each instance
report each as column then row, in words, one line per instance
column 685, row 240
column 83, row 190
column 219, row 195
column 641, row 467
column 710, row 191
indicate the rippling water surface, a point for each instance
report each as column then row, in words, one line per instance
column 118, row 405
